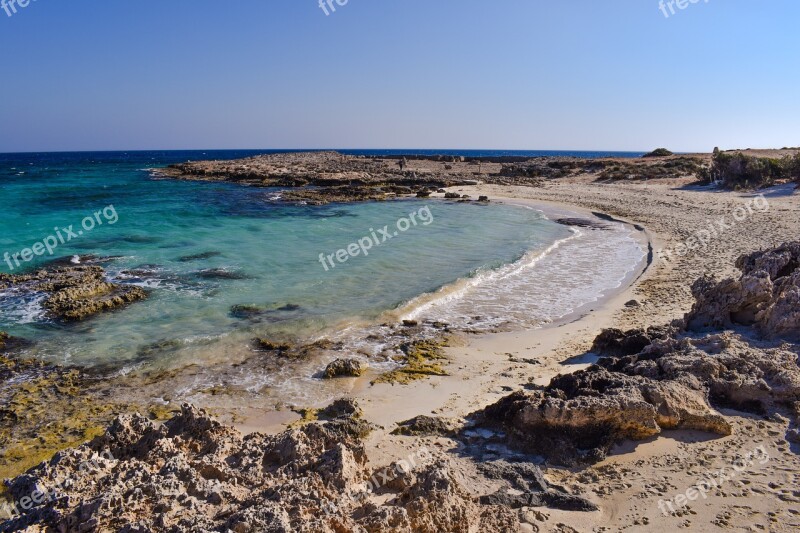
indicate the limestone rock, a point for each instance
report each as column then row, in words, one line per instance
column 766, row 296
column 578, row 417
column 75, row 292
column 344, row 368
column 615, row 342
column 194, row 474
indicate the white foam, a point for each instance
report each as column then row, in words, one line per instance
column 541, row 287
column 22, row 310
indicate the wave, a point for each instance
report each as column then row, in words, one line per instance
column 460, row 289
column 542, row 286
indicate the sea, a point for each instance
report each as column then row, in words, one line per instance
column 223, row 264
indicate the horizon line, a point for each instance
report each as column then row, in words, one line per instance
column 356, row 149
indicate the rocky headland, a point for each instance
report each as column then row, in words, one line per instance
column 324, row 177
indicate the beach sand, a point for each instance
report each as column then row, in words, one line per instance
column 628, row 485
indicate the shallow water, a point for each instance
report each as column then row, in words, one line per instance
column 203, row 248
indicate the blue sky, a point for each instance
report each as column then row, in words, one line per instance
column 510, row 74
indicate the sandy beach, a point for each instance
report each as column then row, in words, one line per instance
column 628, row 485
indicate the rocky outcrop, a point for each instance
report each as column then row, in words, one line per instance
column 668, row 378
column 766, row 296
column 615, row 342
column 659, row 152
column 344, row 368
column 578, row 417
column 424, row 426
column 193, row 474
column 729, row 370
column 673, row 383
column 74, row 292
column 322, row 177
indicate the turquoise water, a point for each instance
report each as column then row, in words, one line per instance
column 203, row 248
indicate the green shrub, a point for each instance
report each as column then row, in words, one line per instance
column 739, row 171
column 638, row 170
column 659, row 152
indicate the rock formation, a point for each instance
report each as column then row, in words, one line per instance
column 668, row 378
column 74, row 292
column 766, row 296
column 344, row 368
column 193, row 474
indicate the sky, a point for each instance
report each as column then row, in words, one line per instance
column 462, row 74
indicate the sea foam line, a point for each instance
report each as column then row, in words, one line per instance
column 460, row 288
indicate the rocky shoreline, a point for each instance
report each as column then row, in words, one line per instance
column 673, row 377
column 73, row 293
column 318, row 178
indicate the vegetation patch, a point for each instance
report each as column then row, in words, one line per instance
column 659, row 152
column 736, row 170
column 422, row 358
column 44, row 410
column 642, row 170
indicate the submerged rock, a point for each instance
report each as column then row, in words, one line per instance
column 581, row 223
column 271, row 313
column 221, row 273
column 268, row 345
column 198, row 257
column 287, row 351
column 9, row 343
column 246, row 311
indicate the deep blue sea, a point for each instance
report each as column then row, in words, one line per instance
column 203, row 248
